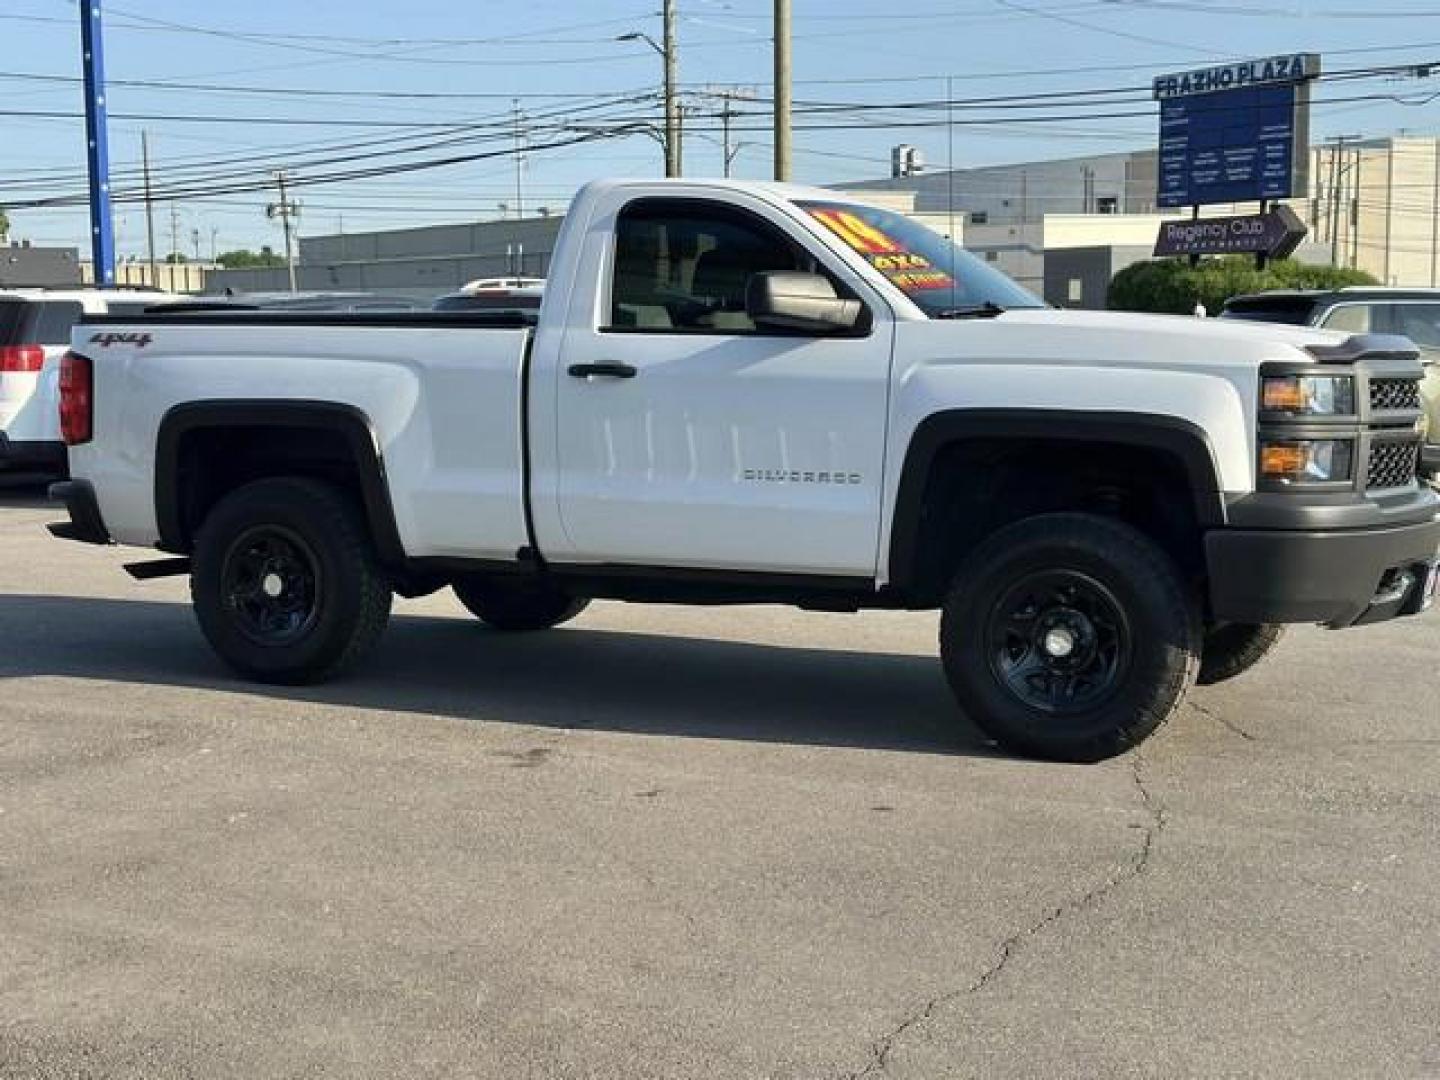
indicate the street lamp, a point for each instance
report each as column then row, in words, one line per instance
column 672, row 113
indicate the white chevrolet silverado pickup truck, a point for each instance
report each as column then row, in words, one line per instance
column 746, row 393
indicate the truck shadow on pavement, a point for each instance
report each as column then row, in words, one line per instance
column 26, row 492
column 653, row 684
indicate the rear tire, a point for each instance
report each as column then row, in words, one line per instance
column 518, row 607
column 285, row 584
column 1069, row 637
column 1232, row 649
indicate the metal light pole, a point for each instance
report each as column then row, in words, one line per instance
column 782, row 89
column 97, row 143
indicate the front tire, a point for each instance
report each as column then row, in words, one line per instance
column 1232, row 649
column 518, row 607
column 285, row 584
column 1069, row 637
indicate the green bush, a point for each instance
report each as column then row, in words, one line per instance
column 1173, row 285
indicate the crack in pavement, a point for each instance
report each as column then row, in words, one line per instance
column 1153, row 825
column 1224, row 722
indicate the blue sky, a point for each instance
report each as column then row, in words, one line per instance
column 562, row 62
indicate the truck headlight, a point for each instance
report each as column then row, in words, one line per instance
column 1307, row 461
column 1308, row 395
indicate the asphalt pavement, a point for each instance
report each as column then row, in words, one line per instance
column 670, row 842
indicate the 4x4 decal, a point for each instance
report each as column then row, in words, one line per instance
column 106, row 340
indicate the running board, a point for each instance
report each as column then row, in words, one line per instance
column 158, row 568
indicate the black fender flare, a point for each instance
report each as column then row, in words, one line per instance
column 351, row 423
column 1185, row 441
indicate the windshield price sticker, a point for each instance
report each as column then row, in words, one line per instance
column 905, row 269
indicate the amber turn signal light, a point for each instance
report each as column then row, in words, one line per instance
column 1283, row 459
column 1284, row 395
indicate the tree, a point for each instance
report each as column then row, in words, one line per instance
column 1174, row 286
column 175, row 258
column 243, row 259
column 4, row 225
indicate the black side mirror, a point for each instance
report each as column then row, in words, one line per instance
column 788, row 300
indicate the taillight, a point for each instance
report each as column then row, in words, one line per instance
column 21, row 358
column 77, row 398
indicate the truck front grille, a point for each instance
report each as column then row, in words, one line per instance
column 1392, row 394
column 1393, row 463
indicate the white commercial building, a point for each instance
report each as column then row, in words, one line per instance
column 1373, row 204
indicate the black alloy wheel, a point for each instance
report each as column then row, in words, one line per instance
column 1059, row 641
column 272, row 585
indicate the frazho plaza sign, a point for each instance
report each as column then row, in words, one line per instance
column 1278, row 69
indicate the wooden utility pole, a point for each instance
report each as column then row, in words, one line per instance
column 519, row 161
column 285, row 210
column 782, row 90
column 1337, row 149
column 149, row 209
column 668, row 52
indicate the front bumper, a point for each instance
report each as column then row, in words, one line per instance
column 1340, row 578
column 85, row 524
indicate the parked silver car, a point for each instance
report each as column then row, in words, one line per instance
column 1413, row 313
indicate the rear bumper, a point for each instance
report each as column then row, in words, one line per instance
column 85, row 524
column 1341, row 578
column 32, row 455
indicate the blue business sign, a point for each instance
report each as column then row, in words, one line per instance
column 1237, row 132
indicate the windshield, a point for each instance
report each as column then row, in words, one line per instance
column 940, row 277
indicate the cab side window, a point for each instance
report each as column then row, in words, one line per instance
column 1419, row 322
column 1354, row 318
column 683, row 266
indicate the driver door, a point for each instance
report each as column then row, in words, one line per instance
column 690, row 437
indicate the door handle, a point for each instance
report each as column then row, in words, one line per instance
column 609, row 370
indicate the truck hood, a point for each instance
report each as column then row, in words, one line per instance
column 1186, row 328
column 1102, row 339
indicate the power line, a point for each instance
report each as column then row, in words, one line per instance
column 304, row 157
column 312, row 92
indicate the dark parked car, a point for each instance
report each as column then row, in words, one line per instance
column 518, row 298
column 326, row 301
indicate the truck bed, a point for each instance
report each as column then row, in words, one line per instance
column 441, row 393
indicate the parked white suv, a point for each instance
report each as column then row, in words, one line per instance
column 35, row 327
